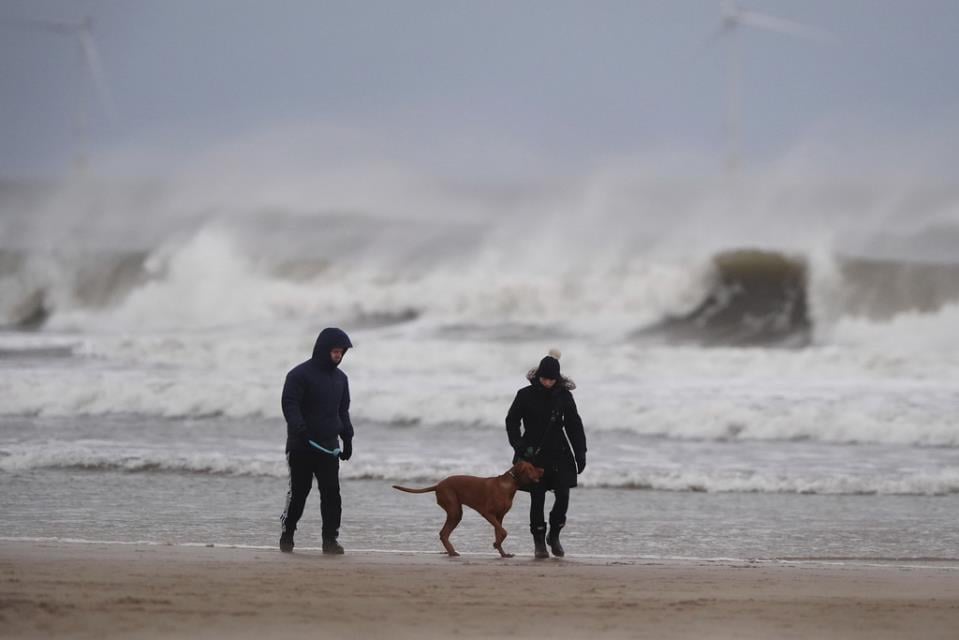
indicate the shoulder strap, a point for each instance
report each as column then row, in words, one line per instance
column 555, row 417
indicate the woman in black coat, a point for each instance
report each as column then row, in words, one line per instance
column 551, row 437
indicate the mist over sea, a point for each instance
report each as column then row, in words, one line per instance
column 777, row 352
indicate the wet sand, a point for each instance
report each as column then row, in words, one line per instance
column 55, row 589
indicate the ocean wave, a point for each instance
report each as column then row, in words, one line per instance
column 755, row 298
column 38, row 346
column 737, row 297
column 943, row 482
column 675, row 394
column 424, row 472
column 82, row 459
column 769, row 298
column 35, row 284
column 620, row 246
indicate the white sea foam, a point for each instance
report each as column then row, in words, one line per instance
column 653, row 470
column 399, row 376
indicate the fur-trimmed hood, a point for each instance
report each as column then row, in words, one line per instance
column 563, row 382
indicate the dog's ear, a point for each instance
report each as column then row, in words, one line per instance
column 530, row 472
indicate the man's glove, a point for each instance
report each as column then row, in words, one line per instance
column 347, row 450
column 580, row 463
column 303, row 438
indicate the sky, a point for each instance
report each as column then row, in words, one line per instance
column 491, row 86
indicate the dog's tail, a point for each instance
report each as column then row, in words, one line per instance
column 408, row 490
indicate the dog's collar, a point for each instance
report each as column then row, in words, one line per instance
column 512, row 475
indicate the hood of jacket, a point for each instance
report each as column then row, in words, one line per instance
column 329, row 339
column 562, row 383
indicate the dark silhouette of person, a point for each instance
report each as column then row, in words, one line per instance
column 316, row 405
column 551, row 437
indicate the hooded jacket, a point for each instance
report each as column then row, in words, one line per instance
column 316, row 397
column 555, row 444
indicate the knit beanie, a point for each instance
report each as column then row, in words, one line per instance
column 549, row 366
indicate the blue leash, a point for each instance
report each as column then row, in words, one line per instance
column 333, row 452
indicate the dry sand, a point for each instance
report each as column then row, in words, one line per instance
column 144, row 591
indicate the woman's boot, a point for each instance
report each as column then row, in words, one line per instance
column 553, row 540
column 539, row 540
column 331, row 547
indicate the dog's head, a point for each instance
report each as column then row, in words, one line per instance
column 526, row 473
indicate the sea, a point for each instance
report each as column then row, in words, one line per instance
column 768, row 371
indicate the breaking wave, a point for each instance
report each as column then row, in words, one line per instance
column 36, row 284
column 747, row 297
column 620, row 250
column 740, row 297
column 754, row 298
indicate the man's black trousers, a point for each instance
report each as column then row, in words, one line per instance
column 304, row 466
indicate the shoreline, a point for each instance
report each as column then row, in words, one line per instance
column 905, row 562
column 64, row 589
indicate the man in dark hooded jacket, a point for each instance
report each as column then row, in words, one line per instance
column 316, row 405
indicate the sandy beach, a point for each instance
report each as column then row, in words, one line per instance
column 96, row 590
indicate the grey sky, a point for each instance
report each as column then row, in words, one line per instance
column 572, row 81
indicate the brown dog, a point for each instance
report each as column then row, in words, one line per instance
column 491, row 497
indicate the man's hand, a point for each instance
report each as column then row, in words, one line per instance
column 347, row 452
column 580, row 463
column 304, row 438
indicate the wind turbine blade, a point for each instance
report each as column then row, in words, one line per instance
column 781, row 25
column 711, row 40
column 92, row 59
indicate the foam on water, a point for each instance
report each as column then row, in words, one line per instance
column 871, row 392
column 419, row 454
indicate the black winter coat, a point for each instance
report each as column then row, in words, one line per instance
column 316, row 398
column 555, row 444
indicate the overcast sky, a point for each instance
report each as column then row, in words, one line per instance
column 571, row 82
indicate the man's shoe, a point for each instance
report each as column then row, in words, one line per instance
column 286, row 542
column 332, row 547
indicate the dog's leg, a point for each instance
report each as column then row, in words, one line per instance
column 454, row 513
column 500, row 532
